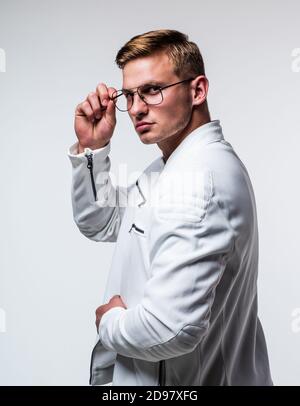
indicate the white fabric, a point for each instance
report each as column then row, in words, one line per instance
column 187, row 270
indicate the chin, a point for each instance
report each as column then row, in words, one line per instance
column 147, row 138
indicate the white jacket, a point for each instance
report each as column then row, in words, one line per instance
column 185, row 264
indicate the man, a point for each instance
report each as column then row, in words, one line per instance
column 180, row 306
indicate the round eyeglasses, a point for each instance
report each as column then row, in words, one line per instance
column 150, row 94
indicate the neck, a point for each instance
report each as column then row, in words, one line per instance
column 170, row 144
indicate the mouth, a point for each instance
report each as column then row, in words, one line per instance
column 143, row 126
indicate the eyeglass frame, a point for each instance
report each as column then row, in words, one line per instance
column 160, row 88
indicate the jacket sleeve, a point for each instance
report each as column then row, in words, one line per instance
column 97, row 210
column 190, row 243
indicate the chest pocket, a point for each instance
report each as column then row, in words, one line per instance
column 138, row 233
column 140, row 222
column 141, row 212
column 134, row 228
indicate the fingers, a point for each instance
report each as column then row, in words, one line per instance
column 99, row 313
column 111, row 108
column 115, row 297
column 97, row 103
column 97, row 322
column 102, row 92
column 111, row 91
column 105, row 94
column 116, row 300
column 85, row 109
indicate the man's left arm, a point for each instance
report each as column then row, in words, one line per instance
column 189, row 247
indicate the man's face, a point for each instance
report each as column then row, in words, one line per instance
column 170, row 117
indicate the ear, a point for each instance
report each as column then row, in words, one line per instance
column 200, row 89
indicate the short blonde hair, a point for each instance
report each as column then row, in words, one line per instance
column 184, row 54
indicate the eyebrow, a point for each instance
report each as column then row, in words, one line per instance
column 152, row 82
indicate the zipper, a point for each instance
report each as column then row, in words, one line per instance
column 162, row 373
column 89, row 156
column 139, row 230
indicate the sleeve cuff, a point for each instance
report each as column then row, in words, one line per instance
column 107, row 321
column 99, row 154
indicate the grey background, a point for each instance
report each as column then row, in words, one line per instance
column 52, row 278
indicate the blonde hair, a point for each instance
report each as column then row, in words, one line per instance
column 184, row 54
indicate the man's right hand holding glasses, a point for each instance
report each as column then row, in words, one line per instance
column 95, row 118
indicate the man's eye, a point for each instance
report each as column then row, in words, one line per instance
column 127, row 95
column 151, row 90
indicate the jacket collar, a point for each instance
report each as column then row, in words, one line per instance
column 205, row 134
column 146, row 181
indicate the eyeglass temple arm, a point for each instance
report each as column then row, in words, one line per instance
column 177, row 83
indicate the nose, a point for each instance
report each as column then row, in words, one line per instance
column 139, row 107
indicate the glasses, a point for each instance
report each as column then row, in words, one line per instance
column 150, row 94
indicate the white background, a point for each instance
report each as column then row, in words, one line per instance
column 51, row 277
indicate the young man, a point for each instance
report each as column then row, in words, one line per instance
column 180, row 306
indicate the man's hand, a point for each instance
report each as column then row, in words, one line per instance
column 115, row 301
column 95, row 118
